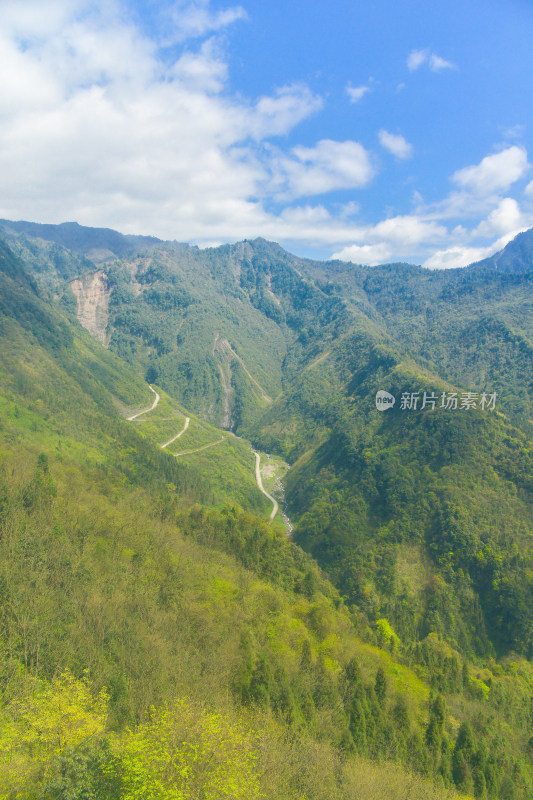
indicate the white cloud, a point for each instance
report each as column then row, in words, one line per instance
column 416, row 58
column 423, row 236
column 306, row 215
column 99, row 128
column 193, row 19
column 528, row 191
column 356, row 93
column 480, row 186
column 395, row 144
column 102, row 125
column 369, row 254
column 505, row 221
column 33, row 19
column 505, row 218
column 408, row 231
column 327, row 166
column 495, row 173
column 397, row 237
column 279, row 113
column 425, row 239
column 350, row 209
column 435, row 63
column 457, row 256
column 204, row 71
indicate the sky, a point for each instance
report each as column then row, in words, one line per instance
column 391, row 130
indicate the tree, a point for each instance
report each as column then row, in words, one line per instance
column 37, row 728
column 463, row 754
column 152, row 374
column 184, row 751
column 435, row 728
column 358, row 726
column 400, row 714
column 380, row 687
column 89, row 771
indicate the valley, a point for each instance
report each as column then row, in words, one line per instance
column 155, row 426
column 160, row 424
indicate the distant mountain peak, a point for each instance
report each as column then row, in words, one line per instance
column 86, row 240
column 516, row 257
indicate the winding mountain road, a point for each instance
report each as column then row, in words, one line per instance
column 259, row 480
column 177, row 436
column 146, row 410
column 197, row 450
column 262, row 488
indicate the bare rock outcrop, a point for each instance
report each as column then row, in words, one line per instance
column 92, row 293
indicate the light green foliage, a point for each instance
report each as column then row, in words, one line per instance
column 185, row 751
column 386, row 633
column 39, row 725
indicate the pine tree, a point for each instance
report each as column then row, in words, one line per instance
column 463, row 755
column 358, row 726
column 380, row 687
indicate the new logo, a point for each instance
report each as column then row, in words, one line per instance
column 384, row 400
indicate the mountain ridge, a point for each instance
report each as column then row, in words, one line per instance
column 83, row 239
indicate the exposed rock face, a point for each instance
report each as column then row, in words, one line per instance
column 224, row 355
column 92, row 293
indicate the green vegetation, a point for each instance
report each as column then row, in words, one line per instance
column 158, row 638
column 223, row 460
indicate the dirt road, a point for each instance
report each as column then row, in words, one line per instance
column 177, row 436
column 146, row 410
column 262, row 488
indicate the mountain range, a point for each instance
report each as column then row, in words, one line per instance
column 400, row 603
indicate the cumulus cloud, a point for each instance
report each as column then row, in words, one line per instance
column 408, row 231
column 277, row 114
column 528, row 191
column 100, row 127
column 396, row 237
column 457, row 256
column 505, row 218
column 356, row 93
column 426, row 235
column 395, row 144
column 368, row 254
column 194, row 19
column 480, row 187
column 495, row 173
column 327, row 166
column 417, row 58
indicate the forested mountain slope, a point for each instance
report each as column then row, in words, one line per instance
column 422, row 518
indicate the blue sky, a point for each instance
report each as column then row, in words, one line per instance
column 372, row 132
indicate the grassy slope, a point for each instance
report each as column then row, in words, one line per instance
column 223, row 459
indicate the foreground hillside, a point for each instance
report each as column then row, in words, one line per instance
column 174, row 646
